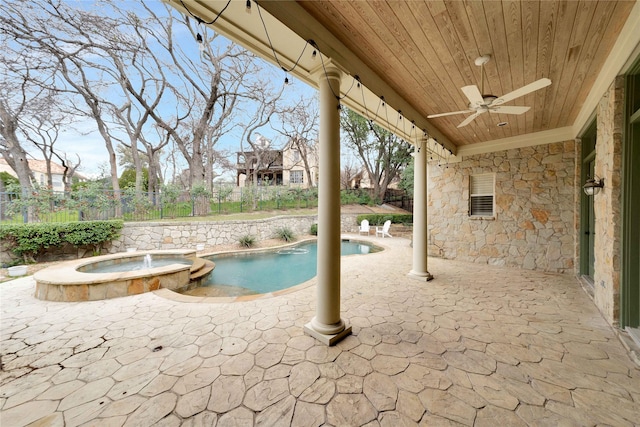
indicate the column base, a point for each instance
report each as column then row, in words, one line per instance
column 327, row 339
column 423, row 277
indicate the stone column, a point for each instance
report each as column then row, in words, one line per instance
column 419, row 270
column 327, row 326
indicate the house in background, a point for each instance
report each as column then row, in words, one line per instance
column 39, row 170
column 283, row 166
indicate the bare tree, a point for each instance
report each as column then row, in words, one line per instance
column 300, row 126
column 261, row 154
column 136, row 70
column 70, row 40
column 348, row 173
column 16, row 99
column 133, row 125
column 205, row 91
column 42, row 129
column 10, row 147
column 69, row 168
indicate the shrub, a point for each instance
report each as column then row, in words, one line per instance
column 314, row 230
column 285, row 233
column 27, row 240
column 379, row 219
column 247, row 241
column 358, row 196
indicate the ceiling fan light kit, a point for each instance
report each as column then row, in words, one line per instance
column 480, row 103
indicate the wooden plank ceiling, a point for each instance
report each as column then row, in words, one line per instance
column 426, row 51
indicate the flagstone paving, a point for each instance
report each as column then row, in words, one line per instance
column 479, row 345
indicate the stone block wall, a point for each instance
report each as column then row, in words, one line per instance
column 172, row 235
column 185, row 235
column 607, row 207
column 533, row 226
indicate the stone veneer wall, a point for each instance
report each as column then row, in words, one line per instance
column 172, row 235
column 607, row 208
column 533, row 226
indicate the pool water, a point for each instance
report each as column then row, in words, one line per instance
column 265, row 272
column 133, row 264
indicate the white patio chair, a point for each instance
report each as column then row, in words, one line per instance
column 384, row 230
column 364, row 227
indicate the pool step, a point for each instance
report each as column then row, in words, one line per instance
column 200, row 268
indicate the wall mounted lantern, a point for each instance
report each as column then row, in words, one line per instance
column 593, row 186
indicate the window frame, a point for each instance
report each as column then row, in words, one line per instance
column 296, row 173
column 472, row 195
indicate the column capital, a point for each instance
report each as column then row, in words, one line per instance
column 328, row 70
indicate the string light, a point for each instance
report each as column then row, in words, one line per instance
column 314, row 54
column 338, row 97
column 200, row 41
column 200, row 21
column 273, row 50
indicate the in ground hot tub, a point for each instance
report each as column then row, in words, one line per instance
column 98, row 278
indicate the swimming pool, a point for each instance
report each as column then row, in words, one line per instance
column 264, row 272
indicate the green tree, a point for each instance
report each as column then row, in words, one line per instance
column 406, row 178
column 382, row 153
column 8, row 179
column 128, row 179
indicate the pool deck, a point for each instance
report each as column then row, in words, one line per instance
column 479, row 345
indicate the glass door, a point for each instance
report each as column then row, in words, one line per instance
column 630, row 274
column 587, row 217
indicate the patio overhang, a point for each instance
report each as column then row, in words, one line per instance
column 581, row 46
column 283, row 34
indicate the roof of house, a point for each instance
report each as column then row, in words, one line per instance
column 37, row 165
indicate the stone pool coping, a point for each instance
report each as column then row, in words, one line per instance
column 178, row 297
column 64, row 283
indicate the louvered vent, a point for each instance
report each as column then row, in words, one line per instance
column 481, row 192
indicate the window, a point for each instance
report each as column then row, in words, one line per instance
column 481, row 195
column 296, row 177
column 296, row 155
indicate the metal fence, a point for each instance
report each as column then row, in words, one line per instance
column 48, row 206
column 400, row 199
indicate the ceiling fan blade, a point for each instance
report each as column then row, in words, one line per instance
column 508, row 109
column 471, row 118
column 524, row 90
column 473, row 95
column 431, row 116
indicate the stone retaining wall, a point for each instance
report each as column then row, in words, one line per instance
column 533, row 222
column 185, row 235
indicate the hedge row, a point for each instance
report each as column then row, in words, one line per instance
column 379, row 219
column 27, row 240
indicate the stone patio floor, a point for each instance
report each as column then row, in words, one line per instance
column 479, row 345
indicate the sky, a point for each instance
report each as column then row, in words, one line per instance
column 82, row 139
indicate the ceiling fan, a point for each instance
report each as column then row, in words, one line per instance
column 479, row 103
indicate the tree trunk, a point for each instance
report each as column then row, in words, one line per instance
column 14, row 154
